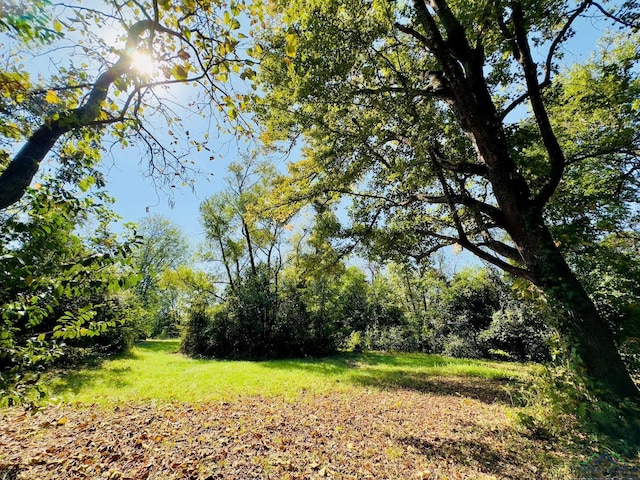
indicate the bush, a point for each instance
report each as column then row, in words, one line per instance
column 463, row 347
column 63, row 297
column 558, row 401
column 196, row 338
column 478, row 315
column 122, row 314
column 255, row 322
column 520, row 330
column 392, row 339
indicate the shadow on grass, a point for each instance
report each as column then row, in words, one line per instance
column 485, row 390
column 337, row 365
column 417, row 372
column 75, row 381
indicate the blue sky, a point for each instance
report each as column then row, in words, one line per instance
column 137, row 196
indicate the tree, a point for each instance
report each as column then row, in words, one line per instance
column 60, row 292
column 191, row 42
column 445, row 126
column 240, row 233
column 163, row 247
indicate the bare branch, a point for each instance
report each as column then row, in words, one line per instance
column 457, row 167
column 502, row 249
column 546, row 82
column 615, row 18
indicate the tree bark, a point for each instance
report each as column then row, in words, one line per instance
column 579, row 323
column 247, row 236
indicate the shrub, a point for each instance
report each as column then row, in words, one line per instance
column 397, row 339
column 197, row 333
column 519, row 329
column 255, row 322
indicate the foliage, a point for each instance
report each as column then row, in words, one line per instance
column 181, row 290
column 163, row 247
column 473, row 314
column 196, row 339
column 557, row 400
column 461, row 312
column 450, row 124
column 256, row 322
column 241, row 233
column 519, row 330
column 30, row 22
column 393, row 339
column 255, row 318
column 59, row 288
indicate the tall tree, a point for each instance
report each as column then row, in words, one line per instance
column 158, row 44
column 442, row 119
column 163, row 246
column 240, row 232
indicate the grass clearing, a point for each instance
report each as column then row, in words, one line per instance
column 154, row 370
column 154, row 414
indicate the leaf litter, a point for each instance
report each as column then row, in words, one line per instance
column 362, row 434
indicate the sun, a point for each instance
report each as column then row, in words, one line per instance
column 144, row 64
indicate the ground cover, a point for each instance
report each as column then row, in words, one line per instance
column 154, row 414
column 155, row 371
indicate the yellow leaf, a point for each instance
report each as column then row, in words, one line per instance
column 57, row 26
column 52, row 97
column 62, row 421
column 292, row 44
column 179, row 72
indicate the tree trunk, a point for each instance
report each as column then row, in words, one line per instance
column 247, row 236
column 579, row 323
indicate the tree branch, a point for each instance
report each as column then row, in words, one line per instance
column 615, row 18
column 18, row 175
column 456, row 167
column 502, row 249
column 554, row 150
column 550, row 55
column 437, row 91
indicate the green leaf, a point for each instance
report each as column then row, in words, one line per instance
column 86, row 183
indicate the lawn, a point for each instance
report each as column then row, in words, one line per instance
column 155, row 414
column 154, row 370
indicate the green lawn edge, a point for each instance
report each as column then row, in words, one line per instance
column 154, row 370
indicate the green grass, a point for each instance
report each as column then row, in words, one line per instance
column 154, row 370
